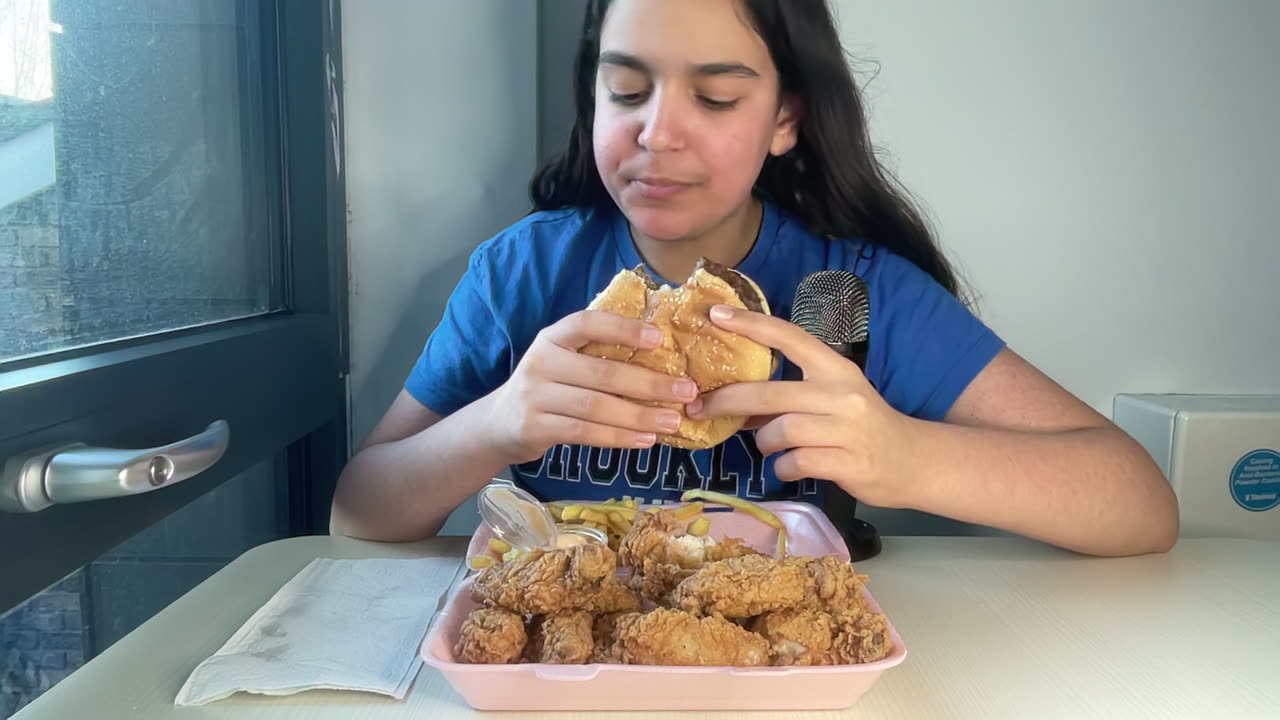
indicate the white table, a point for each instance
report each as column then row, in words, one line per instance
column 994, row 627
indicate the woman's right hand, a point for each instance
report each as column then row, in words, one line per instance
column 559, row 396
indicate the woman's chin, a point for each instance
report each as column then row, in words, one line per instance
column 661, row 225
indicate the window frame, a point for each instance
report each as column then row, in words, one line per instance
column 279, row 379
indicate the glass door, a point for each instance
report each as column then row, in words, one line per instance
column 172, row 307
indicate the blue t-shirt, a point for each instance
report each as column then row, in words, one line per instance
column 925, row 346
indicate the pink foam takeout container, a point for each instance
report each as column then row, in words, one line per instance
column 536, row 686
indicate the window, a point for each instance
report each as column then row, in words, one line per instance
column 172, row 253
column 138, row 193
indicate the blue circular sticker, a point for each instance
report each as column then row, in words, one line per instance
column 1255, row 480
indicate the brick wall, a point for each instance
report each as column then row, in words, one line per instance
column 31, row 296
column 43, row 641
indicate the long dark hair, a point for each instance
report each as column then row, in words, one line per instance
column 831, row 180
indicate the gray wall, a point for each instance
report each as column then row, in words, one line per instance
column 559, row 24
column 1106, row 172
column 441, row 140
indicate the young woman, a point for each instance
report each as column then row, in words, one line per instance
column 732, row 129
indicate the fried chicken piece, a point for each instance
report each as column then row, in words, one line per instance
column 650, row 537
column 662, row 554
column 661, row 538
column 544, row 581
column 655, row 581
column 865, row 639
column 604, row 637
column 561, row 638
column 730, row 547
column 740, row 587
column 832, row 584
column 491, row 636
column 613, row 596
column 674, row 637
column 806, row 636
column 798, row 637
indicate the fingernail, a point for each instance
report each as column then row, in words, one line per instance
column 693, row 408
column 669, row 423
column 721, row 312
column 686, row 389
column 645, row 439
column 652, row 336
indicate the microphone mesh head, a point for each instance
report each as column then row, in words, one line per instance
column 833, row 306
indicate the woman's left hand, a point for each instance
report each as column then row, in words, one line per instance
column 832, row 425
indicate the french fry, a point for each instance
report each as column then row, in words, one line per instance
column 557, row 509
column 499, row 546
column 631, row 503
column 688, row 511
column 625, row 512
column 653, row 510
column 700, row 526
column 600, row 517
column 610, row 501
column 737, row 503
column 571, row 512
column 746, row 506
column 619, row 523
column 480, row 562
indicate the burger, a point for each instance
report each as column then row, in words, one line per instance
column 692, row 346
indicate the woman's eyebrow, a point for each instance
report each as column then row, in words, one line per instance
column 621, row 59
column 725, row 68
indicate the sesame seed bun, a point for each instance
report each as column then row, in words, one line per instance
column 693, row 346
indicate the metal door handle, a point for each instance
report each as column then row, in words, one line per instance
column 78, row 473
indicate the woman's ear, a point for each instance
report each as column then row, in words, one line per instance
column 786, row 130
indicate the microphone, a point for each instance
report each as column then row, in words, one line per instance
column 834, row 306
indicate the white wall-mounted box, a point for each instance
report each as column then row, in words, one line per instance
column 1221, row 454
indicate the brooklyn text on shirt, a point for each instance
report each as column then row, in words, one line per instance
column 736, row 467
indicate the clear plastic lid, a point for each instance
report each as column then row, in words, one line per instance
column 516, row 517
column 574, row 534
